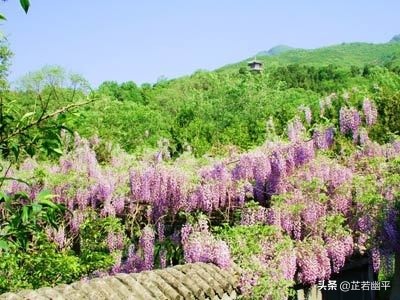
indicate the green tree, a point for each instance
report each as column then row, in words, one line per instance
column 130, row 92
column 111, row 89
column 32, row 117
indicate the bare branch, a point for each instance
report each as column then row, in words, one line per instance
column 5, row 175
column 45, row 117
column 232, row 162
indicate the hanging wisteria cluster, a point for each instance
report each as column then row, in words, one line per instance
column 370, row 112
column 307, row 113
column 199, row 245
column 326, row 103
column 350, row 121
column 323, row 137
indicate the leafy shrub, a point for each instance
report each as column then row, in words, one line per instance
column 263, row 273
column 41, row 265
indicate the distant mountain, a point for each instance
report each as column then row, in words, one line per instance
column 345, row 54
column 395, row 39
column 275, row 50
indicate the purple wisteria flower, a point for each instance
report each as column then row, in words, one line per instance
column 370, row 112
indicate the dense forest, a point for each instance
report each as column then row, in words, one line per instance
column 287, row 172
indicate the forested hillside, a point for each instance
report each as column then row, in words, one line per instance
column 234, row 102
column 345, row 54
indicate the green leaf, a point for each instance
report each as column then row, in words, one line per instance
column 30, row 150
column 36, row 208
column 48, row 203
column 25, row 5
column 58, row 150
column 3, row 195
column 2, row 17
column 4, row 245
column 22, row 195
column 15, row 150
column 44, row 195
column 27, row 115
column 25, row 214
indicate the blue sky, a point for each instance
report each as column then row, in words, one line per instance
column 142, row 40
